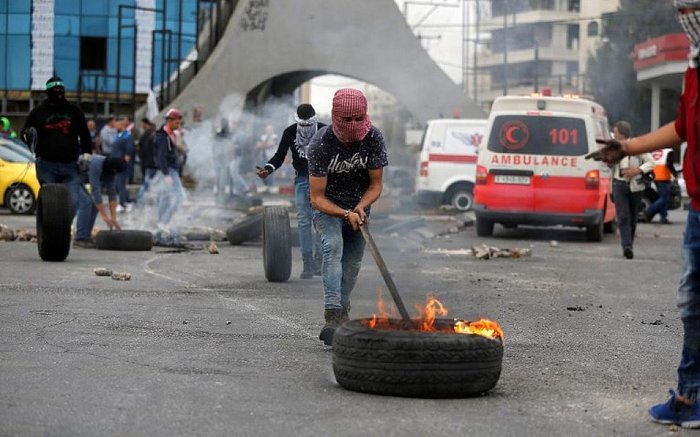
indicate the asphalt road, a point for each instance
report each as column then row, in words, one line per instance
column 591, row 339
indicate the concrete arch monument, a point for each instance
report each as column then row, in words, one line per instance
column 274, row 46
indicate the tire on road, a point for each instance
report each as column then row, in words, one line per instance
column 124, row 240
column 414, row 363
column 277, row 244
column 246, row 229
column 53, row 222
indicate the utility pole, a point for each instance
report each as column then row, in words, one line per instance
column 505, row 48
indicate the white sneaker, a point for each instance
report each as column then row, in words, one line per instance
column 129, row 207
column 120, row 208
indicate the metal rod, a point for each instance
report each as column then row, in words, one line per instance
column 385, row 273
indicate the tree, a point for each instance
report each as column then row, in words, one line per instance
column 610, row 72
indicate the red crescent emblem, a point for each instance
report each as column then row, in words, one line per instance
column 514, row 135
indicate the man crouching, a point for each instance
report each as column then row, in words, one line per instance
column 346, row 161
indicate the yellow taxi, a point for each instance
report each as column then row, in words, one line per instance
column 19, row 186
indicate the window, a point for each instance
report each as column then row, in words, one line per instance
column 572, row 36
column 93, row 53
column 536, row 135
column 593, row 28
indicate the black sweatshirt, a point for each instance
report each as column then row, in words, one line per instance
column 287, row 142
column 62, row 133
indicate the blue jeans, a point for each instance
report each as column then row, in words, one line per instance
column 627, row 204
column 689, row 304
column 169, row 197
column 87, row 214
column 67, row 173
column 304, row 217
column 342, row 257
column 660, row 206
column 147, row 176
column 121, row 179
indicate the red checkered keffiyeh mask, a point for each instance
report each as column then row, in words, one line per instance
column 349, row 102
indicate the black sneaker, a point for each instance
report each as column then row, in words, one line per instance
column 664, row 221
column 627, row 251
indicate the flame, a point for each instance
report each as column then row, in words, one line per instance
column 381, row 321
column 428, row 314
column 484, row 327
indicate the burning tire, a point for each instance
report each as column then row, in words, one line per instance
column 124, row 240
column 53, row 221
column 246, row 229
column 277, row 244
column 402, row 362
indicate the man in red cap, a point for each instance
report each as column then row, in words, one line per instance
column 171, row 194
column 346, row 162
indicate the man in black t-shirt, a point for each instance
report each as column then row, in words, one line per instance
column 346, row 161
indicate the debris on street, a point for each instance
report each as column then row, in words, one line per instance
column 212, row 248
column 6, row 234
column 121, row 276
column 101, row 271
column 554, row 243
column 576, row 308
column 22, row 234
column 488, row 252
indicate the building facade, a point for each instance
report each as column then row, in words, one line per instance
column 104, row 50
column 535, row 44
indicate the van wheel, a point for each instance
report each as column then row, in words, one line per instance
column 595, row 232
column 610, row 227
column 484, row 228
column 461, row 197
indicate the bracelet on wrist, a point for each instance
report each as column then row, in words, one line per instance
column 346, row 216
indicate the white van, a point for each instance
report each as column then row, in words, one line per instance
column 532, row 167
column 447, row 162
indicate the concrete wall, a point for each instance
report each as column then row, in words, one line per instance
column 363, row 39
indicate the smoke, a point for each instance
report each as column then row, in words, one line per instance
column 208, row 198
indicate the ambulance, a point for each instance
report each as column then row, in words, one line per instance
column 447, row 163
column 532, row 169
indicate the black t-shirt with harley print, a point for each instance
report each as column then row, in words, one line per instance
column 346, row 166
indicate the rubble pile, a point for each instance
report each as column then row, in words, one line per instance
column 7, row 234
column 488, row 252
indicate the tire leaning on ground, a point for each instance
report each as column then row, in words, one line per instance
column 53, row 221
column 124, row 240
column 246, row 229
column 414, row 363
column 277, row 244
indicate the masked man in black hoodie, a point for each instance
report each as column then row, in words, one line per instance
column 62, row 136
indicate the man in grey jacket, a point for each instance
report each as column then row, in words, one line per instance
column 627, row 189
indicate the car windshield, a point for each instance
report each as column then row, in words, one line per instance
column 10, row 154
column 538, row 135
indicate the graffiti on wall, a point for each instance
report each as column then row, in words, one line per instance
column 255, row 15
